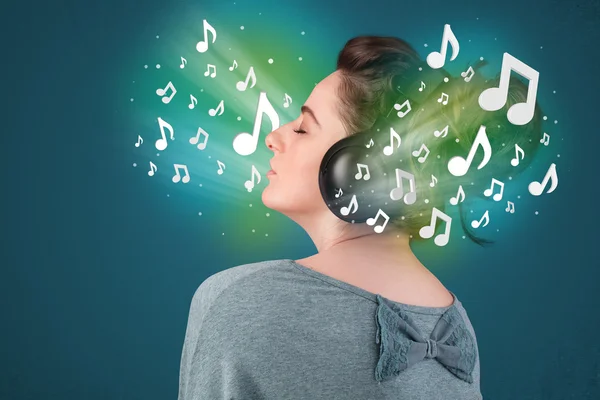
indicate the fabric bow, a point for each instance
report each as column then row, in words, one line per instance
column 403, row 345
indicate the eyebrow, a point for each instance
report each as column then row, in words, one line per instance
column 308, row 110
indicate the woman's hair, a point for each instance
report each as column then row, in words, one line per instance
column 368, row 66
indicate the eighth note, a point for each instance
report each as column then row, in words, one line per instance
column 497, row 196
column 428, row 230
column 388, row 150
column 459, row 166
column 433, row 181
column 140, row 141
column 244, row 143
column 360, row 175
column 476, row 224
column 234, row 66
column 202, row 45
column 536, row 188
column 418, row 153
column 183, row 62
column 437, row 59
column 441, row 133
column 287, row 100
column 378, row 228
column 161, row 143
column 423, row 86
column 545, row 139
column 153, row 169
column 398, row 107
column 213, row 111
column 353, row 202
column 221, row 167
column 510, row 208
column 194, row 140
column 371, row 143
column 242, row 85
column 162, row 92
column 461, row 193
column 441, row 99
column 515, row 161
column 193, row 103
column 177, row 176
column 249, row 185
column 337, row 195
column 208, row 67
column 464, row 74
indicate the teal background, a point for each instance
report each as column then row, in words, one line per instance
column 100, row 261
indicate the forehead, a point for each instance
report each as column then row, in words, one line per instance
column 323, row 99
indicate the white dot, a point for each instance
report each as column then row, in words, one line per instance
column 555, row 121
column 554, row 91
column 477, row 18
column 270, row 61
column 421, row 214
column 222, row 234
column 472, row 183
column 420, row 68
column 134, row 164
column 250, row 205
column 558, row 155
column 497, row 230
column 446, row 79
column 471, row 211
column 545, row 118
column 302, row 33
column 252, row 230
column 157, row 154
column 410, row 236
column 239, row 118
column 402, row 218
column 131, row 99
column 541, row 47
column 157, row 36
column 200, row 213
column 425, row 45
column 242, row 27
column 518, row 197
column 469, row 41
column 268, row 215
column 145, row 66
column 495, row 38
column 503, row 144
column 481, row 58
column 510, row 178
column 266, row 234
column 200, row 185
column 299, row 58
column 209, row 156
column 465, row 236
column 536, row 213
column 133, row 81
column 426, row 201
column 457, row 140
column 157, row 66
column 202, row 90
column 168, row 195
column 259, row 13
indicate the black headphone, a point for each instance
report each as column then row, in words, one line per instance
column 356, row 178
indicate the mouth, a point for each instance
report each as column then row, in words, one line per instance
column 271, row 172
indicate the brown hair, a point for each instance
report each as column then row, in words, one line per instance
column 367, row 66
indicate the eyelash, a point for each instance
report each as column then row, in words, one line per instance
column 299, row 131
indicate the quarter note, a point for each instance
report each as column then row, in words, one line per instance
column 441, row 133
column 234, row 66
column 442, row 100
column 511, row 207
column 250, row 184
column 244, row 143
column 545, row 139
column 396, row 194
column 418, row 153
column 183, row 62
column 497, row 196
column 221, row 167
column 388, row 150
column 427, row 231
column 220, row 109
column 464, row 74
column 398, row 107
column 153, row 169
column 196, row 139
column 485, row 219
column 378, row 228
column 437, row 59
column 162, row 92
column 193, row 103
column 287, row 100
column 515, row 161
column 458, row 166
column 242, row 85
column 459, row 195
column 536, row 188
column 493, row 99
column 353, row 203
column 208, row 67
column 202, row 45
column 161, row 143
column 177, row 176
column 139, row 142
column 359, row 174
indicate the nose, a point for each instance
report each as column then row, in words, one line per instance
column 270, row 140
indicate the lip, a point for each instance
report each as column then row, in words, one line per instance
column 271, row 172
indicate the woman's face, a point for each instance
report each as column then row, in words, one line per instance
column 294, row 189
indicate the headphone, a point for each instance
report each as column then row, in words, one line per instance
column 356, row 178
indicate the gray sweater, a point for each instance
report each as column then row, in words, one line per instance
column 278, row 330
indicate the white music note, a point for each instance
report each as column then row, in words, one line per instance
column 177, row 176
column 417, row 153
column 536, row 188
column 353, row 203
column 515, row 161
column 441, row 133
column 338, row 194
column 497, row 196
column 360, row 174
column 423, row 86
column 493, row 99
column 441, row 99
column 153, row 169
column 234, row 66
column 161, row 143
column 214, row 68
column 427, row 231
column 202, row 45
column 220, row 109
column 221, row 167
column 139, row 142
column 378, row 228
column 244, row 143
column 183, row 62
column 242, row 85
column 196, row 139
column 458, row 166
column 398, row 191
column 511, row 207
column 193, row 103
column 287, row 100
column 162, row 92
column 398, row 107
column 433, row 181
column 545, row 139
column 371, row 143
column 464, row 74
column 250, row 184
column 459, row 195
column 436, row 59
column 486, row 217
column 388, row 150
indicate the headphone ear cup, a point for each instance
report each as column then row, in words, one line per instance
column 354, row 180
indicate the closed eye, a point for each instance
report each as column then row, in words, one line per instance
column 299, row 131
